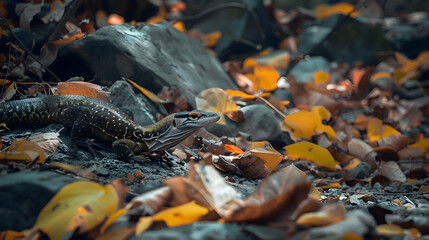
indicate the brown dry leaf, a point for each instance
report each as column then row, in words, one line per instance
column 227, row 164
column 311, row 152
column 363, row 151
column 361, row 121
column 411, row 118
column 11, row 235
column 396, row 141
column 311, row 204
column 22, row 151
column 49, row 142
column 251, row 166
column 328, row 214
column 83, row 89
column 391, row 171
column 77, row 206
column 172, row 96
column 268, row 154
column 10, row 91
column 216, row 100
column 68, row 39
column 387, row 153
column 278, row 195
column 154, row 200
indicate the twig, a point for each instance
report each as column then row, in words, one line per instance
column 271, row 106
column 56, row 34
column 242, row 6
column 22, row 45
column 382, row 193
column 335, row 28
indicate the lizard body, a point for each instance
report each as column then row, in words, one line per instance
column 93, row 118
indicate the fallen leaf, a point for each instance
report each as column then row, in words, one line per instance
column 423, row 145
column 216, row 100
column 233, row 149
column 389, row 230
column 264, row 77
column 328, row 214
column 376, row 130
column 23, row 151
column 323, row 12
column 115, row 19
column 181, row 215
column 305, row 124
column 311, row 152
column 83, row 89
column 211, row 39
column 321, row 77
column 78, row 206
column 66, row 167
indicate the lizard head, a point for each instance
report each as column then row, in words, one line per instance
column 180, row 126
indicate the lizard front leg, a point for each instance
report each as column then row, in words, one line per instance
column 127, row 148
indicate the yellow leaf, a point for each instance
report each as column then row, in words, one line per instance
column 269, row 155
column 305, row 124
column 183, row 214
column 376, row 130
column 352, row 164
column 112, row 218
column 311, row 152
column 216, row 100
column 115, row 234
column 266, row 77
column 239, row 94
column 143, row 224
column 152, row 96
column 16, row 47
column 249, row 63
column 323, row 12
column 423, row 145
column 321, row 77
column 79, row 205
column 351, row 236
column 332, row 185
column 160, row 15
column 211, row 39
column 380, row 75
column 390, row 229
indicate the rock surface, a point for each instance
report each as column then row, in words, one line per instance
column 153, row 56
column 24, row 194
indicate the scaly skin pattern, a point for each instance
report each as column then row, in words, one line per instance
column 92, row 118
column 45, row 110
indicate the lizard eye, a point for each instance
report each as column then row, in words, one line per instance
column 174, row 122
column 193, row 116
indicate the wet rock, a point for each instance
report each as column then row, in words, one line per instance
column 237, row 26
column 145, row 112
column 209, row 230
column 153, row 56
column 353, row 41
column 303, row 71
column 361, row 171
column 24, row 194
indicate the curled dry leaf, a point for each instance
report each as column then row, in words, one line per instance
column 83, row 89
column 391, row 171
column 23, row 151
column 49, row 142
column 154, row 200
column 396, row 141
column 226, row 164
column 252, row 166
column 363, row 151
column 278, row 195
column 216, row 100
column 387, row 153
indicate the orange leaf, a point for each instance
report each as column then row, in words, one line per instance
column 311, row 152
column 269, row 155
column 239, row 94
column 321, row 77
column 115, row 19
column 152, row 96
column 11, row 235
column 143, row 224
column 376, row 130
column 160, row 15
column 83, row 89
column 323, row 11
column 211, row 39
column 233, row 149
column 266, row 77
column 390, row 229
column 179, row 25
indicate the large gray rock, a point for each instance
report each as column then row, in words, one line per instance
column 24, row 194
column 154, row 56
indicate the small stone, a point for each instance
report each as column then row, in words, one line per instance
column 361, row 171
